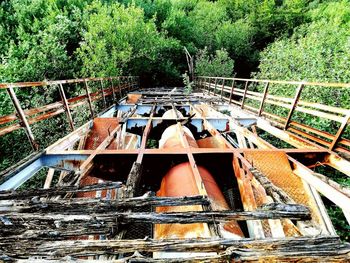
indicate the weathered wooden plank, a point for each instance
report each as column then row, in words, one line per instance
column 243, row 249
column 269, row 211
column 93, row 205
column 12, row 194
column 275, row 192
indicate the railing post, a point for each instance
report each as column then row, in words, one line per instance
column 232, row 87
column 66, row 106
column 222, row 88
column 245, row 93
column 263, row 99
column 89, row 98
column 103, row 94
column 23, row 119
column 216, row 83
column 113, row 92
column 340, row 131
column 209, row 85
column 295, row 102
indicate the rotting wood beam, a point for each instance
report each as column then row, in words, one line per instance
column 94, row 205
column 255, row 228
column 248, row 249
column 13, row 194
column 268, row 211
column 337, row 197
column 275, row 192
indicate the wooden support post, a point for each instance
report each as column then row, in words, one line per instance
column 103, row 94
column 340, row 131
column 245, row 93
column 232, row 87
column 66, row 106
column 49, row 178
column 295, row 102
column 113, row 91
column 23, row 119
column 89, row 99
column 255, row 228
column 263, row 99
column 133, row 180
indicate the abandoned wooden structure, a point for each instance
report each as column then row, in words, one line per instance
column 118, row 188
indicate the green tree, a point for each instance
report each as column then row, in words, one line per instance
column 217, row 65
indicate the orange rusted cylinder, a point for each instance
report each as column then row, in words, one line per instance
column 180, row 181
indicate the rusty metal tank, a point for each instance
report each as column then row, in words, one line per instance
column 179, row 181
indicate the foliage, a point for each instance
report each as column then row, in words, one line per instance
column 188, row 84
column 115, row 40
column 340, row 223
column 219, row 65
column 317, row 51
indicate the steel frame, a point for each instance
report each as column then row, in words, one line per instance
column 340, row 115
column 62, row 155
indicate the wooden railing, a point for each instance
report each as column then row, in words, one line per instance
column 109, row 89
column 238, row 91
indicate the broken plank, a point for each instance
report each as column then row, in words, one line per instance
column 12, row 194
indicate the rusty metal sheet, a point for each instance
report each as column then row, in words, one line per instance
column 133, row 98
column 100, row 130
column 275, row 166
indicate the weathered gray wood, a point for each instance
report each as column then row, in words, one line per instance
column 12, row 194
column 243, row 249
column 270, row 211
column 275, row 192
column 133, row 180
column 94, row 205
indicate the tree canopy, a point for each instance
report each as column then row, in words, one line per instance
column 55, row 39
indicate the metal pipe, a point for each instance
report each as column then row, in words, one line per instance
column 23, row 118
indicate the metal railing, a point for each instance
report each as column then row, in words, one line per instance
column 109, row 87
column 237, row 91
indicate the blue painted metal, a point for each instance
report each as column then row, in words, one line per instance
column 125, row 107
column 222, row 107
column 143, row 109
column 67, row 162
column 109, row 112
column 21, row 175
column 246, row 122
column 198, row 122
column 219, row 124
